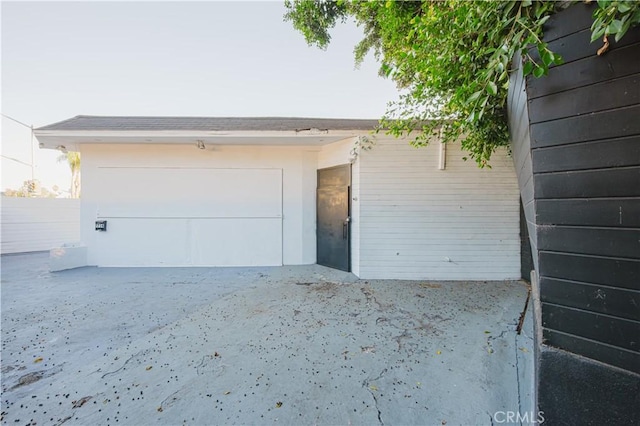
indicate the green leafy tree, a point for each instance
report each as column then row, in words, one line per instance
column 452, row 58
column 73, row 160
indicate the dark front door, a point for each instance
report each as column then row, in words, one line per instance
column 334, row 187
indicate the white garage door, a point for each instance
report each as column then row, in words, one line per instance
column 190, row 217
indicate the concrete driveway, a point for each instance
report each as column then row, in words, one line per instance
column 286, row 345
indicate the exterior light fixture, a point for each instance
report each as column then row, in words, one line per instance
column 62, row 148
column 442, row 160
column 313, row 131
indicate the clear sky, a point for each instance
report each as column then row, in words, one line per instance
column 168, row 58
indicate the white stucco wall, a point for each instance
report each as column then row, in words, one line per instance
column 298, row 166
column 336, row 154
column 418, row 222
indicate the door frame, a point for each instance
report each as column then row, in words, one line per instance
column 349, row 209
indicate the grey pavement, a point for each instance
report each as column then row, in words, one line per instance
column 287, row 345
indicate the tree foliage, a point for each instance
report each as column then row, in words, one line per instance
column 452, row 58
column 73, row 160
column 32, row 189
column 614, row 18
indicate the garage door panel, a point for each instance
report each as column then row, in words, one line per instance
column 175, row 192
column 143, row 242
column 223, row 242
column 201, row 209
column 192, row 242
column 192, row 217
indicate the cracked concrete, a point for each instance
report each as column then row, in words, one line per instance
column 291, row 345
column 372, row 388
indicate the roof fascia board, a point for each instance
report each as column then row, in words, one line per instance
column 190, row 134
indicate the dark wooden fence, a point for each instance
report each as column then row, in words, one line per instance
column 576, row 144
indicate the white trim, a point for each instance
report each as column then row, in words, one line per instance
column 442, row 160
column 71, row 140
column 196, row 133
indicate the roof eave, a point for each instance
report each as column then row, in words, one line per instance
column 72, row 139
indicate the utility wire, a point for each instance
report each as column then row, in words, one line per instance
column 17, row 121
column 15, row 159
column 32, row 165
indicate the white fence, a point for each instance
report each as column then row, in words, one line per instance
column 35, row 224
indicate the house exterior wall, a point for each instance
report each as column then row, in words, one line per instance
column 37, row 224
column 409, row 220
column 419, row 222
column 575, row 136
column 336, row 154
column 586, row 184
column 298, row 167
